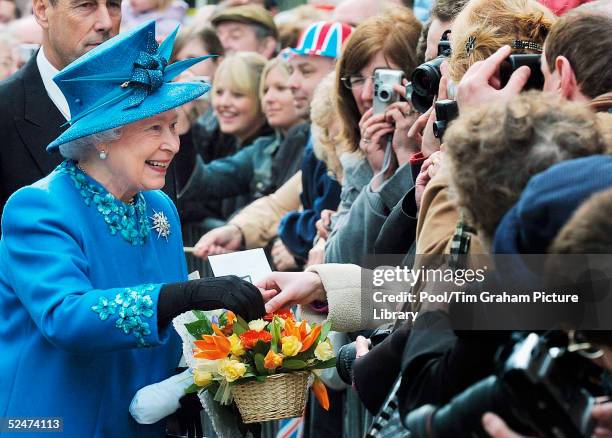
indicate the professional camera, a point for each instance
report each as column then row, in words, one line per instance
column 539, row 388
column 510, row 65
column 347, row 354
column 384, row 94
column 426, row 77
column 446, row 111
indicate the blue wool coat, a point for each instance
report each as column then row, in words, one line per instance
column 79, row 285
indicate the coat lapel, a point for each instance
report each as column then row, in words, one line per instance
column 41, row 122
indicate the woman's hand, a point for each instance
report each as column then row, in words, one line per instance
column 282, row 258
column 362, row 347
column 293, row 288
column 316, row 255
column 402, row 116
column 222, row 240
column 374, row 131
column 497, row 428
column 324, row 223
column 429, row 169
column 602, row 413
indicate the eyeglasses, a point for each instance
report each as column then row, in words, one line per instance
column 355, row 81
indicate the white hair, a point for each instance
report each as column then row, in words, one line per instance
column 82, row 148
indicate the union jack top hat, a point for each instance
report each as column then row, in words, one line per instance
column 324, row 38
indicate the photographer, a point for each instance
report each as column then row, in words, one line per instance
column 574, row 63
column 588, row 231
column 387, row 42
column 491, row 151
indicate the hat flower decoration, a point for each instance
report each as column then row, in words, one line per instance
column 123, row 80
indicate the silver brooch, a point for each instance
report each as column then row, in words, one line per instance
column 160, row 224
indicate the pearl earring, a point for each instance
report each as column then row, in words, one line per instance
column 103, row 155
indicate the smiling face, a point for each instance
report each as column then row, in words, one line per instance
column 139, row 160
column 278, row 101
column 237, row 112
column 71, row 28
column 306, row 72
column 364, row 93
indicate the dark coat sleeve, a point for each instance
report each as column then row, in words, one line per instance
column 319, row 192
column 375, row 373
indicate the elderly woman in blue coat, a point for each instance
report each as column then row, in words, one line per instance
column 91, row 264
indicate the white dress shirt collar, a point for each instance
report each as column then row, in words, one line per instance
column 47, row 71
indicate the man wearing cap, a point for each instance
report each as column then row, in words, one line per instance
column 247, row 28
column 257, row 224
column 32, row 107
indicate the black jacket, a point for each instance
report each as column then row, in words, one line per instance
column 29, row 121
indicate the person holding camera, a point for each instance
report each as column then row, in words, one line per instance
column 375, row 123
column 574, row 63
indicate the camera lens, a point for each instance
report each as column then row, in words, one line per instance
column 384, row 95
column 426, row 77
column 344, row 363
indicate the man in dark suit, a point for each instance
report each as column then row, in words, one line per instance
column 32, row 108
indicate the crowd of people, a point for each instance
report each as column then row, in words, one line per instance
column 262, row 128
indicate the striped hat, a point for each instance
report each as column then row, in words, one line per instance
column 324, row 38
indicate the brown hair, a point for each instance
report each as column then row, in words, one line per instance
column 207, row 36
column 489, row 25
column 447, row 10
column 494, row 150
column 394, row 34
column 582, row 38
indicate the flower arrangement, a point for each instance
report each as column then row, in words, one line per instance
column 228, row 352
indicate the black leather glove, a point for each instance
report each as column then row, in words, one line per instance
column 229, row 292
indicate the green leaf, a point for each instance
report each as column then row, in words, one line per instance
column 241, row 323
column 259, row 364
column 199, row 314
column 260, row 378
column 329, row 363
column 192, row 388
column 223, row 319
column 325, row 328
column 237, row 329
column 261, row 347
column 199, row 328
column 276, row 334
column 294, row 364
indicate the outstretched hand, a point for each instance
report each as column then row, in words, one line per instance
column 291, row 288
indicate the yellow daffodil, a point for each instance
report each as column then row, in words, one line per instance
column 236, row 347
column 291, row 345
column 231, row 369
column 324, row 351
column 202, row 378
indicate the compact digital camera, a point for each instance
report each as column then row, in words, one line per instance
column 384, row 94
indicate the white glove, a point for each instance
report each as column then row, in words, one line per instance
column 157, row 401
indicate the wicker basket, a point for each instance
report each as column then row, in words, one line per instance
column 279, row 396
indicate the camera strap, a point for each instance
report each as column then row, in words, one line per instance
column 386, row 159
column 388, row 423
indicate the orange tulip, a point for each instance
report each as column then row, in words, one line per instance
column 320, row 392
column 272, row 360
column 212, row 346
column 311, row 338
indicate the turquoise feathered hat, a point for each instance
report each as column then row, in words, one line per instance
column 123, row 80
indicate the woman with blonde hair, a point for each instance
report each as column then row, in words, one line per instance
column 261, row 167
column 235, row 121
